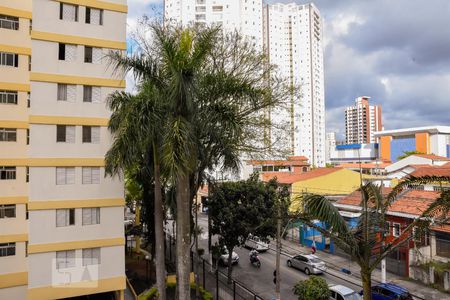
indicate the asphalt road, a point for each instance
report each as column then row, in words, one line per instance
column 260, row 280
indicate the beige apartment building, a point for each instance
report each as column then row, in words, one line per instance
column 61, row 228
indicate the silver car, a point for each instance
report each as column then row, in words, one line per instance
column 308, row 263
column 341, row 292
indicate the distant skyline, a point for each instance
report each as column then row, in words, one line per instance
column 396, row 52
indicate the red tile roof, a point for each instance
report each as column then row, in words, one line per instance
column 427, row 170
column 432, row 157
column 355, row 197
column 289, row 178
column 414, row 202
column 442, row 228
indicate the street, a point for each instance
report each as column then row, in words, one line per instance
column 260, row 280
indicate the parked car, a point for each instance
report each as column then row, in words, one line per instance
column 223, row 258
column 341, row 292
column 254, row 242
column 308, row 263
column 389, row 291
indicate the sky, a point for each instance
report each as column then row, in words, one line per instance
column 395, row 51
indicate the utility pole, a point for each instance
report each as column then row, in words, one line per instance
column 197, row 293
column 277, row 264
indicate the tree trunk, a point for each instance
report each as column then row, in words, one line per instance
column 183, row 237
column 366, row 277
column 230, row 265
column 159, row 237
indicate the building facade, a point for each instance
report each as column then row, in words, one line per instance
column 362, row 121
column 291, row 36
column 426, row 140
column 61, row 219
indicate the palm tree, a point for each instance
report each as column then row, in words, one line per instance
column 363, row 243
column 213, row 88
column 136, row 125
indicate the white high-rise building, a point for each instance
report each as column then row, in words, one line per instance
column 293, row 42
column 291, row 35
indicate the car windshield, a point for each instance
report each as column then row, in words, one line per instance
column 353, row 296
column 315, row 260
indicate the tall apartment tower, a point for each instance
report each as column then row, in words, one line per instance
column 362, row 121
column 61, row 228
column 242, row 15
column 293, row 42
column 291, row 35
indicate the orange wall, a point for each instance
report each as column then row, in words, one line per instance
column 385, row 147
column 423, row 142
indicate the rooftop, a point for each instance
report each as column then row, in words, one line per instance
column 427, row 170
column 289, row 178
column 413, row 130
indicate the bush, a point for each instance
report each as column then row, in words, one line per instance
column 315, row 288
column 153, row 294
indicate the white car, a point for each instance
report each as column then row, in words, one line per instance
column 223, row 259
column 254, row 242
column 340, row 292
column 308, row 263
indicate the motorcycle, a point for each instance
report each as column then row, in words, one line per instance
column 254, row 260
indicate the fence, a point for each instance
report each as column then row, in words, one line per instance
column 211, row 278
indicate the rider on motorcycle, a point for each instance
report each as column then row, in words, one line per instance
column 253, row 254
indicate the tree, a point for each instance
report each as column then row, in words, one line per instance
column 136, row 128
column 408, row 153
column 364, row 242
column 240, row 208
column 314, row 288
column 214, row 88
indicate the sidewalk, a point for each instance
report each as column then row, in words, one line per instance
column 335, row 263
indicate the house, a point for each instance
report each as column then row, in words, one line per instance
column 409, row 164
column 293, row 164
column 332, row 182
column 407, row 207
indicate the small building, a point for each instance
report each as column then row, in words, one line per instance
column 354, row 153
column 293, row 165
column 427, row 140
column 412, row 163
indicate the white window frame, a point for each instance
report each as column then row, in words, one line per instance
column 73, row 18
column 9, row 22
column 65, row 175
column 91, row 256
column 7, row 96
column 8, row 173
column 63, row 217
column 65, row 259
column 90, row 175
column 4, row 208
column 5, row 58
column 394, row 229
column 7, row 249
column 91, row 215
column 6, row 135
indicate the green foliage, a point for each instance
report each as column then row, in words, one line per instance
column 362, row 243
column 314, row 288
column 408, row 153
column 151, row 294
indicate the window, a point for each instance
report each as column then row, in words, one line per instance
column 8, row 97
column 7, row 173
column 68, row 12
column 8, row 22
column 28, row 99
column 92, row 55
column 65, row 259
column 91, row 175
column 396, row 229
column 87, row 54
column 7, row 211
column 7, row 249
column 94, row 16
column 65, row 217
column 8, row 135
column 65, row 175
column 91, row 216
column 28, row 136
column 91, row 134
column 27, row 178
column 91, row 94
column 387, row 228
column 67, row 52
column 9, row 59
column 65, row 134
column 91, row 256
column 66, row 92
